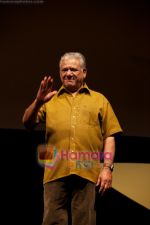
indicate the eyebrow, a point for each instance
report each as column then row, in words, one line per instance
column 69, row 68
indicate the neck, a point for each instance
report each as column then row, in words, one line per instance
column 74, row 91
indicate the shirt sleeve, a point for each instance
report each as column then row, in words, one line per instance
column 110, row 123
column 41, row 116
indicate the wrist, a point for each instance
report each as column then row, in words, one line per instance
column 109, row 166
column 38, row 103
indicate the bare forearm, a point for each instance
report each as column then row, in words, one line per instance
column 105, row 176
column 30, row 114
column 109, row 150
column 44, row 94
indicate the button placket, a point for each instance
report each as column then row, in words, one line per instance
column 73, row 128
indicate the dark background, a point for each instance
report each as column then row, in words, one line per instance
column 114, row 36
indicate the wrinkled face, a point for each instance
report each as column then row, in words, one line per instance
column 72, row 74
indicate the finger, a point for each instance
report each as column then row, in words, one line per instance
column 102, row 189
column 50, row 78
column 50, row 95
column 106, row 186
column 109, row 184
column 45, row 82
column 98, row 181
column 42, row 85
column 45, row 78
column 103, row 186
column 54, row 92
column 49, row 82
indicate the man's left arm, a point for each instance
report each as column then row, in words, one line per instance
column 105, row 177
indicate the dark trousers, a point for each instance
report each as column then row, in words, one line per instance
column 69, row 197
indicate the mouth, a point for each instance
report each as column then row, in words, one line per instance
column 69, row 78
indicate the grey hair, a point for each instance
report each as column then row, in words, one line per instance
column 76, row 55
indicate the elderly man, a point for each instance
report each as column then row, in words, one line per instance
column 80, row 124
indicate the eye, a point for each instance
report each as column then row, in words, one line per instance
column 64, row 70
column 71, row 69
column 74, row 70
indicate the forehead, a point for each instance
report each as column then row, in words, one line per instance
column 70, row 62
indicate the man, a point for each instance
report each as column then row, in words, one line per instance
column 80, row 123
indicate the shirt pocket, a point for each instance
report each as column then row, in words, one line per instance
column 89, row 116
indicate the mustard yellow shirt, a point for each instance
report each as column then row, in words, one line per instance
column 76, row 127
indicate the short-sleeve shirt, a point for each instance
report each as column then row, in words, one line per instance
column 76, row 127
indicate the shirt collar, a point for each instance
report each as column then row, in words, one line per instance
column 83, row 89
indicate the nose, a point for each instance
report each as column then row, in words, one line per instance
column 69, row 72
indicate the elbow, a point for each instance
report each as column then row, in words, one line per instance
column 27, row 123
column 28, row 126
column 24, row 120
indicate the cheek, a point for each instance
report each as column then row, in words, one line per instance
column 61, row 77
column 80, row 77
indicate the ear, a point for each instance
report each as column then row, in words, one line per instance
column 85, row 72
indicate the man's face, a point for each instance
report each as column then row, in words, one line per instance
column 71, row 74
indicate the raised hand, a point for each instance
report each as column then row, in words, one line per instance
column 45, row 92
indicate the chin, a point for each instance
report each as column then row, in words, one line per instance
column 69, row 84
column 71, row 88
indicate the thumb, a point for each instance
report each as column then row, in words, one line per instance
column 50, row 95
column 53, row 93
